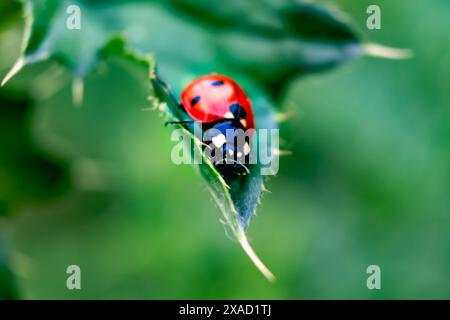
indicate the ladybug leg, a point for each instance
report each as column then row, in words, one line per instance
column 181, row 107
column 178, row 122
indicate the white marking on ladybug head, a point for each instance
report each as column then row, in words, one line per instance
column 239, row 154
column 219, row 140
column 231, row 152
column 228, row 115
column 246, row 149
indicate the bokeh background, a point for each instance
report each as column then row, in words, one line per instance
column 368, row 180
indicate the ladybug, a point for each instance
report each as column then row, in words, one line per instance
column 218, row 102
column 214, row 98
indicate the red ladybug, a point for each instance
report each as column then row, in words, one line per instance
column 215, row 97
column 218, row 102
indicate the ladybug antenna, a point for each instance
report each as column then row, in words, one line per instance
column 164, row 85
column 182, row 122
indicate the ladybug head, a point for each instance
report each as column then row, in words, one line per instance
column 229, row 144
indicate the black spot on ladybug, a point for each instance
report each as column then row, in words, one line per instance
column 195, row 100
column 237, row 111
column 217, row 83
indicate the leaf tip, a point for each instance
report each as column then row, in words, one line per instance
column 13, row 71
column 242, row 238
column 380, row 51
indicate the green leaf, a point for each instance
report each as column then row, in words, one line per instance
column 274, row 41
column 269, row 42
column 236, row 197
column 262, row 45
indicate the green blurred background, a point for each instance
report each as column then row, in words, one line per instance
column 368, row 180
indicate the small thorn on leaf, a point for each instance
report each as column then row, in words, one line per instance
column 77, row 92
column 162, row 106
column 149, row 109
column 14, row 70
column 279, row 152
column 283, row 116
column 380, row 51
column 264, row 189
